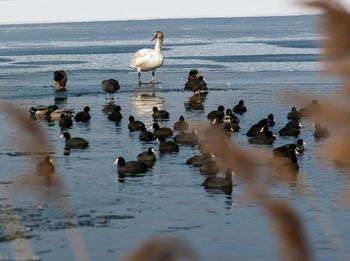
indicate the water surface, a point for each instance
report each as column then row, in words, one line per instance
column 255, row 59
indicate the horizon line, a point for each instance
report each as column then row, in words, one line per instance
column 146, row 19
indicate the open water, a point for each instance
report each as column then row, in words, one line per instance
column 254, row 59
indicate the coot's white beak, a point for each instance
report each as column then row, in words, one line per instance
column 116, row 161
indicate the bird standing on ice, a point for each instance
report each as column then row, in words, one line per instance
column 145, row 60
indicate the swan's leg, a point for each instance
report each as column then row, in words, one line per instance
column 153, row 77
column 139, row 75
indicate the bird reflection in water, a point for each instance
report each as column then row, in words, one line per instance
column 60, row 97
column 143, row 103
column 108, row 108
column 195, row 102
column 225, row 190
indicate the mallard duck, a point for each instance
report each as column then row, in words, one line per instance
column 195, row 82
column 51, row 112
column 60, row 78
column 41, row 110
column 56, row 115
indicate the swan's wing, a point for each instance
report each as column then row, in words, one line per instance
column 140, row 56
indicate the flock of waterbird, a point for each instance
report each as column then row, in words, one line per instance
column 222, row 123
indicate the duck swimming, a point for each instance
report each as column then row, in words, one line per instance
column 167, row 146
column 145, row 60
column 46, row 169
column 161, row 131
column 187, row 138
column 65, row 121
column 146, row 135
column 320, row 131
column 292, row 128
column 135, row 125
column 115, row 115
column 263, row 138
column 289, row 166
column 218, row 182
column 159, row 114
column 181, row 125
column 294, row 114
column 51, row 112
column 313, row 109
column 211, row 167
column 130, row 167
column 199, row 160
column 75, row 142
column 240, row 107
column 147, row 157
column 83, row 116
column 284, row 150
column 219, row 113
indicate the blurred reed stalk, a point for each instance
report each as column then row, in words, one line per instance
column 34, row 142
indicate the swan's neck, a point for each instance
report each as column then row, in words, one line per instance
column 158, row 46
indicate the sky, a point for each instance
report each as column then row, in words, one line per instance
column 38, row 11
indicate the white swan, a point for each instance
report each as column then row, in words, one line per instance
column 145, row 60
